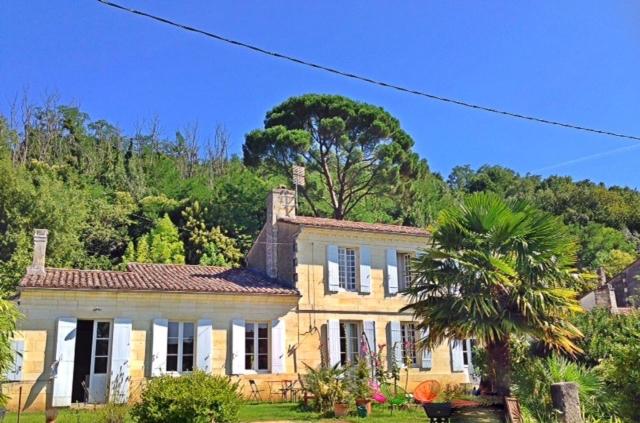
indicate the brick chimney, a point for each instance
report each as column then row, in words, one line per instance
column 39, row 252
column 281, row 202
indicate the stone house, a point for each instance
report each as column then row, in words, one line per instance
column 312, row 291
column 618, row 294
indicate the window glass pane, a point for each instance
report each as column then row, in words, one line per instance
column 100, row 365
column 263, row 362
column 187, row 363
column 172, row 345
column 263, row 346
column 187, row 346
column 102, row 330
column 172, row 363
column 173, row 329
column 249, row 328
column 263, row 330
column 248, row 345
column 248, row 361
column 102, row 347
column 187, row 330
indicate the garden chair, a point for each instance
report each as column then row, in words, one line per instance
column 427, row 391
column 395, row 395
column 306, row 395
column 255, row 392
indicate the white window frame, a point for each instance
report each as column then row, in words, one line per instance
column 348, row 272
column 349, row 353
column 180, row 354
column 404, row 270
column 255, row 353
column 408, row 333
column 467, row 352
column 94, row 343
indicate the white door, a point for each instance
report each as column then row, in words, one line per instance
column 99, row 376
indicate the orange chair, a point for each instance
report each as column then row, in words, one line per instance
column 427, row 391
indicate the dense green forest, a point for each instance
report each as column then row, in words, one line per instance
column 108, row 197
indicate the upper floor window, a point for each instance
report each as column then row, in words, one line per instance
column 180, row 342
column 347, row 268
column 256, row 346
column 404, row 270
column 349, row 342
column 408, row 331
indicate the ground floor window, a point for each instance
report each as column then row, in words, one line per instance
column 102, row 331
column 349, row 342
column 467, row 351
column 409, row 356
column 180, row 343
column 256, row 347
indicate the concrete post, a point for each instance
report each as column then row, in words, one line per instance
column 566, row 400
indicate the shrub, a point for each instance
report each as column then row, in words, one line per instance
column 327, row 386
column 533, row 379
column 112, row 413
column 194, row 398
column 622, row 373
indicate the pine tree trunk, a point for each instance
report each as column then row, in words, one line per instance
column 499, row 357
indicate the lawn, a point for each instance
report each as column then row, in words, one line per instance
column 287, row 412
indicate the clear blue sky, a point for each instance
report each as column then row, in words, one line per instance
column 576, row 61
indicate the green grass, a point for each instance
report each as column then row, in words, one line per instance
column 285, row 411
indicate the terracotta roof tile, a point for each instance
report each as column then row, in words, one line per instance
column 161, row 277
column 321, row 222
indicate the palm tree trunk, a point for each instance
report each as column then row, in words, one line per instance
column 499, row 357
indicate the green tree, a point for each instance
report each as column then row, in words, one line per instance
column 613, row 261
column 166, row 246
column 495, row 269
column 9, row 315
column 351, row 150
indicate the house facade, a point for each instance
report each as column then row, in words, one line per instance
column 313, row 291
column 619, row 294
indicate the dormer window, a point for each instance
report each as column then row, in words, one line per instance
column 347, row 268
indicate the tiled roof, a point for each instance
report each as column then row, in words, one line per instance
column 160, row 277
column 321, row 222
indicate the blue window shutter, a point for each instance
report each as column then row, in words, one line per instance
column 120, row 359
column 394, row 348
column 365, row 269
column 65, row 352
column 392, row 271
column 457, row 363
column 203, row 345
column 370, row 334
column 15, row 372
column 333, row 268
column 278, row 347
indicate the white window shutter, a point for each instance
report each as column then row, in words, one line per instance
column 278, row 347
column 427, row 359
column 365, row 269
column 237, row 347
column 159, row 348
column 120, row 359
column 204, row 340
column 333, row 269
column 392, row 271
column 370, row 334
column 395, row 343
column 15, row 372
column 457, row 363
column 333, row 341
column 64, row 356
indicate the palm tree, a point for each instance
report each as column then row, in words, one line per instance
column 492, row 270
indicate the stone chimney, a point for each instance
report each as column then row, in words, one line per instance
column 605, row 295
column 281, row 202
column 39, row 252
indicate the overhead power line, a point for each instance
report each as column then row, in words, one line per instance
column 367, row 79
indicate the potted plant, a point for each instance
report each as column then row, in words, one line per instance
column 359, row 384
column 326, row 384
column 340, row 396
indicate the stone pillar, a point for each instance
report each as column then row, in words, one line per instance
column 567, row 401
column 39, row 252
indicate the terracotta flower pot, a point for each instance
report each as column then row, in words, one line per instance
column 340, row 409
column 366, row 403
